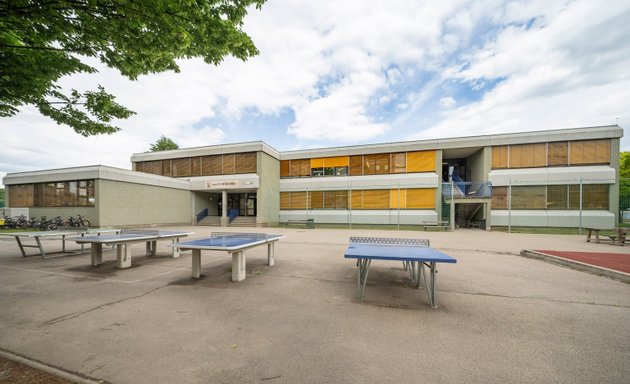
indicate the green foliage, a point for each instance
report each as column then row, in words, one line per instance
column 624, row 165
column 2, row 204
column 624, row 182
column 41, row 41
column 163, row 144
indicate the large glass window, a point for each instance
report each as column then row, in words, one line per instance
column 77, row 193
column 553, row 197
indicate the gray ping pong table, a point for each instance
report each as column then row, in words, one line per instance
column 232, row 242
column 38, row 236
column 125, row 239
column 415, row 254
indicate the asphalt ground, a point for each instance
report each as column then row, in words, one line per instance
column 501, row 317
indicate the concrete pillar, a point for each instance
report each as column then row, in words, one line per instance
column 238, row 266
column 224, row 203
column 123, row 256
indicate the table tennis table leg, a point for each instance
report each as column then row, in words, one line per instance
column 238, row 266
column 196, row 263
column 123, row 256
column 151, row 248
column 41, row 249
column 175, row 250
column 96, row 252
column 270, row 254
column 364, row 268
column 431, row 286
column 21, row 246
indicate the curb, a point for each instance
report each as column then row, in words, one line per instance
column 48, row 369
column 577, row 265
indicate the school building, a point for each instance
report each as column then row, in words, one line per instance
column 556, row 178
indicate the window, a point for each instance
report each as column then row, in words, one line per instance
column 246, row 162
column 528, row 155
column 398, row 162
column 181, row 167
column 558, row 154
column 500, row 157
column 285, row 168
column 166, row 167
column 499, row 198
column 377, row 164
column 76, row 193
column 195, row 166
column 553, row 197
column 589, row 152
column 422, row 161
column 229, row 165
column 557, row 197
column 421, row 198
column 356, row 165
column 212, row 165
column 529, row 197
column 153, row 167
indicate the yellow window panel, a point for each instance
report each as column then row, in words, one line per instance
column 339, row 161
column 422, row 161
column 317, row 163
column 376, row 199
column 394, row 200
column 421, row 198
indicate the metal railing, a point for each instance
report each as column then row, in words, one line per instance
column 202, row 214
column 467, row 190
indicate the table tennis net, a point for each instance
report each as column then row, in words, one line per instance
column 257, row 236
column 390, row 241
column 141, row 232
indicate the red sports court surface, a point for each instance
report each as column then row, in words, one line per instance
column 616, row 261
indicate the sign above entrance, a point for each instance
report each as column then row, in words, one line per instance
column 222, row 184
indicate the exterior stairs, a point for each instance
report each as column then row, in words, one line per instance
column 243, row 221
column 214, row 221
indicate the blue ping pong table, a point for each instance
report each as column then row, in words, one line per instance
column 414, row 254
column 232, row 242
column 123, row 242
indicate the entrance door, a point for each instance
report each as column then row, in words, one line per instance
column 244, row 202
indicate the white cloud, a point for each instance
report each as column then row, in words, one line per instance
column 447, row 102
column 571, row 71
column 357, row 70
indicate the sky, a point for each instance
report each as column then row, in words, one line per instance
column 335, row 73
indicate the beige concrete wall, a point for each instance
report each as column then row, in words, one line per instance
column 477, row 164
column 129, row 204
column 269, row 190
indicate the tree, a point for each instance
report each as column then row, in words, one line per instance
column 624, row 165
column 2, row 203
column 624, row 183
column 43, row 40
column 163, row 144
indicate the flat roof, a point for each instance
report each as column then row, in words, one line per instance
column 218, row 149
column 102, row 172
column 564, row 134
